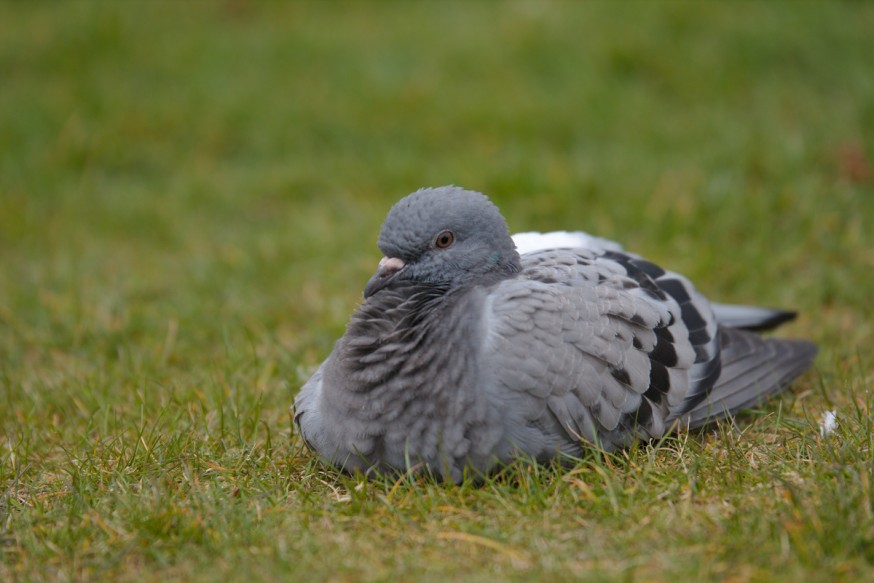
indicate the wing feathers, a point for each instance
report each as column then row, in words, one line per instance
column 752, row 369
column 618, row 347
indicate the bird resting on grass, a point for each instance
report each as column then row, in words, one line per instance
column 472, row 349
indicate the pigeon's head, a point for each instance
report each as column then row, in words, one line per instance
column 443, row 236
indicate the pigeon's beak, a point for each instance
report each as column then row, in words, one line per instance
column 388, row 268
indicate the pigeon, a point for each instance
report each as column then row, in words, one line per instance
column 472, row 349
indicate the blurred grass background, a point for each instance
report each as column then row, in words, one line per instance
column 190, row 194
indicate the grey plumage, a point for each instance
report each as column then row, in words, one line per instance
column 465, row 354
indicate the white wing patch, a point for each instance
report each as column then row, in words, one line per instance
column 532, row 241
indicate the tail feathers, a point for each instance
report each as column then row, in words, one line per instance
column 751, row 317
column 753, row 368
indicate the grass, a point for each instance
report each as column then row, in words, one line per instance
column 189, row 200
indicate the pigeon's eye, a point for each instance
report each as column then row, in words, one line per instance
column 444, row 239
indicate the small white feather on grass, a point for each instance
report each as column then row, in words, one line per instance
column 828, row 423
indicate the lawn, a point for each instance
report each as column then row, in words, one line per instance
column 190, row 194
